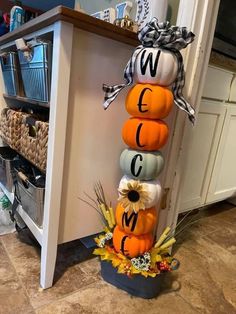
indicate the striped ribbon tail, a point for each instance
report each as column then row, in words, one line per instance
column 178, row 86
column 111, row 92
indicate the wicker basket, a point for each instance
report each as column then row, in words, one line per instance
column 10, row 127
column 42, row 129
column 28, row 141
column 26, row 134
column 34, row 140
column 4, row 126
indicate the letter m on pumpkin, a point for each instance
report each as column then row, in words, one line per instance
column 129, row 220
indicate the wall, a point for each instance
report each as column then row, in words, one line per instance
column 43, row 5
column 6, row 5
column 173, row 6
column 92, row 6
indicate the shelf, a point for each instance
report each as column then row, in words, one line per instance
column 25, row 100
column 7, row 193
column 37, row 232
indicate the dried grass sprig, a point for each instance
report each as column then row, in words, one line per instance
column 101, row 206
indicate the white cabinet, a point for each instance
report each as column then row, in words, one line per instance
column 223, row 181
column 232, row 96
column 202, row 150
column 210, row 163
column 218, row 82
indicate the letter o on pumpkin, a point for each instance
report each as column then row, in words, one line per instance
column 149, row 101
column 131, row 245
column 141, row 165
column 145, row 134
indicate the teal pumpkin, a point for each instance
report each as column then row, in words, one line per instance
column 141, row 165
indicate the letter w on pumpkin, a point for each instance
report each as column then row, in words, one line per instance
column 128, row 219
column 145, row 61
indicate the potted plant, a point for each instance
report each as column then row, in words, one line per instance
column 141, row 275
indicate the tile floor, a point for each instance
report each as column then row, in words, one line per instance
column 205, row 282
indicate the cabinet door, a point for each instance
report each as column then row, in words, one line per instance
column 232, row 96
column 223, row 182
column 201, row 152
column 220, row 78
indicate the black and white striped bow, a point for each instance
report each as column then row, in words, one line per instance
column 164, row 36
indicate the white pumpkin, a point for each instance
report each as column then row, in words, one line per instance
column 153, row 188
column 155, row 66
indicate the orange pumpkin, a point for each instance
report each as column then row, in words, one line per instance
column 149, row 101
column 141, row 223
column 131, row 245
column 145, row 134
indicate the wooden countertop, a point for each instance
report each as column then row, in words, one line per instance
column 79, row 20
column 222, row 61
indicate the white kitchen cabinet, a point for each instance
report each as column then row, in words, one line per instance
column 232, row 96
column 223, row 181
column 202, row 150
column 218, row 83
column 210, row 173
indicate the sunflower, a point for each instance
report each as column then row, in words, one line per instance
column 133, row 197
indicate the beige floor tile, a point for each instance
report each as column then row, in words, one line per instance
column 204, row 283
column 208, row 263
column 222, row 212
column 91, row 267
column 206, row 276
column 68, row 275
column 65, row 306
column 13, row 298
column 103, row 298
column 225, row 237
column 205, row 222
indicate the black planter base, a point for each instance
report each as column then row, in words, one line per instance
column 138, row 285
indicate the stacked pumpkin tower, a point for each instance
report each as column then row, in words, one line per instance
column 148, row 102
column 156, row 67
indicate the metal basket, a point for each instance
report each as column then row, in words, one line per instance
column 8, row 159
column 36, row 71
column 31, row 196
column 11, row 73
